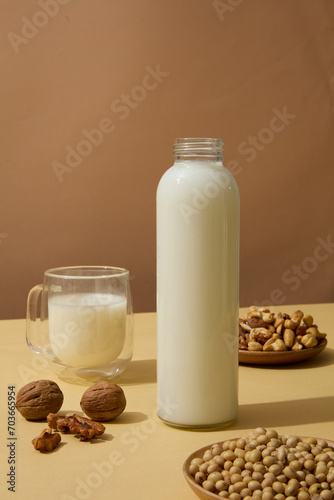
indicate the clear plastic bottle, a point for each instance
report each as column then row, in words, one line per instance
column 197, row 288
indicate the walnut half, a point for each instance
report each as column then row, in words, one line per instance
column 74, row 424
column 46, row 441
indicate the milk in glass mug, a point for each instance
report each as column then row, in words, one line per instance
column 81, row 321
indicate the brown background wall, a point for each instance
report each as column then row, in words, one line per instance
column 258, row 74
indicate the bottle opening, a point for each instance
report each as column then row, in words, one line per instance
column 198, row 148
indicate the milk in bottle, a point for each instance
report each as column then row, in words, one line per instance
column 197, row 288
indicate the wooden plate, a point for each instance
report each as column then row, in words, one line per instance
column 199, row 490
column 280, row 357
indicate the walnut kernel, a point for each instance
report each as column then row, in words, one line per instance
column 74, row 424
column 46, row 441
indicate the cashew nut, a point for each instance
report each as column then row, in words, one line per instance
column 291, row 324
column 313, row 330
column 307, row 320
column 297, row 316
column 279, row 345
column 256, row 314
column 309, row 340
column 297, row 346
column 268, row 317
column 254, row 346
column 264, row 309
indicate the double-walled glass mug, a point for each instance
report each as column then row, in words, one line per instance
column 81, row 321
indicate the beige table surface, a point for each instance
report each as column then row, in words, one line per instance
column 140, row 457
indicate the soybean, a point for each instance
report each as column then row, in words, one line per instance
column 266, row 466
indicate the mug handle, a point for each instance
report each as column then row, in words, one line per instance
column 33, row 333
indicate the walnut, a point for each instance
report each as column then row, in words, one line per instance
column 260, row 335
column 74, row 424
column 103, row 401
column 37, row 399
column 46, row 441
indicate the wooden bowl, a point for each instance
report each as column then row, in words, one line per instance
column 280, row 357
column 199, row 490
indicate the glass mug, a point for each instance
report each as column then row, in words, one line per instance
column 81, row 321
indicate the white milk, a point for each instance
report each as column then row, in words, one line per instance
column 87, row 329
column 197, row 294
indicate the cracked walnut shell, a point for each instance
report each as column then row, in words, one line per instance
column 103, row 401
column 39, row 398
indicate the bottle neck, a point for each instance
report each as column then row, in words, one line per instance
column 198, row 149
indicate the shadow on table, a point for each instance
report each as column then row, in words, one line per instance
column 285, row 413
column 325, row 358
column 127, row 417
column 138, row 372
column 130, row 417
